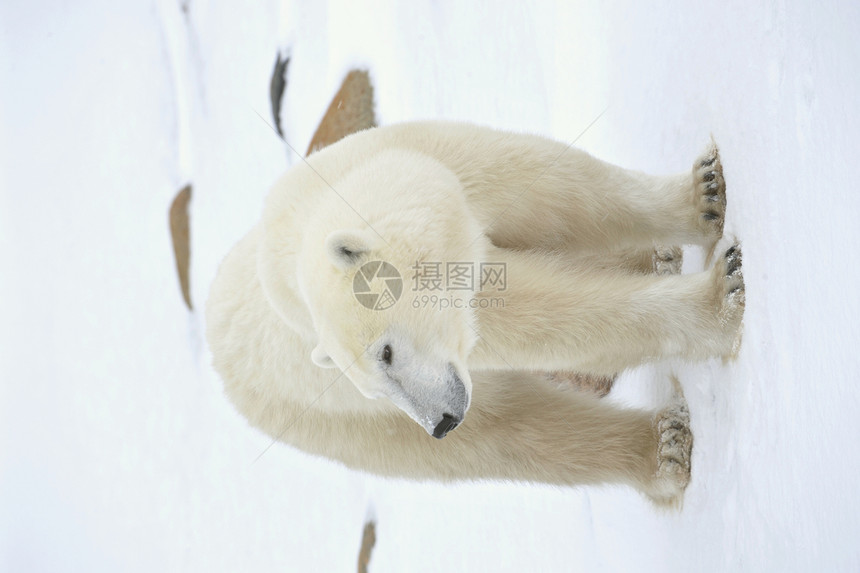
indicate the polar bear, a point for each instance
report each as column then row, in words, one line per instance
column 321, row 347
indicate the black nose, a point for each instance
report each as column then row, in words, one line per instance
column 447, row 424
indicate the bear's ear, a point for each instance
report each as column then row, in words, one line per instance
column 321, row 358
column 347, row 247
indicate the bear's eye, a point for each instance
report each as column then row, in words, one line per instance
column 386, row 354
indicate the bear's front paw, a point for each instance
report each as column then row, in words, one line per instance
column 710, row 193
column 731, row 296
column 674, row 448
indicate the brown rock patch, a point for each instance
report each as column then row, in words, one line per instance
column 351, row 110
column 277, row 86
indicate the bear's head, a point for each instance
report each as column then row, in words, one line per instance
column 373, row 271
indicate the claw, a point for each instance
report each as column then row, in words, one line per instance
column 733, row 260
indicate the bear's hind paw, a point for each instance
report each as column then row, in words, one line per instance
column 667, row 260
column 674, row 449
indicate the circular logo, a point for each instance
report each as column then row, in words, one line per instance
column 377, row 285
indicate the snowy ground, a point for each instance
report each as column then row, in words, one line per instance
column 118, row 450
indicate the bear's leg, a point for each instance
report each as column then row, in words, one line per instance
column 574, row 438
column 519, row 428
column 658, row 260
column 581, row 203
column 556, row 316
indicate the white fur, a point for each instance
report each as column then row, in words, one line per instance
column 282, row 310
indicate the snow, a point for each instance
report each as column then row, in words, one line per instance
column 119, row 450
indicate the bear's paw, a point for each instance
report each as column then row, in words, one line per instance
column 674, row 449
column 710, row 192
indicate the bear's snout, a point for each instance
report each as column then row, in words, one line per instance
column 438, row 403
column 447, row 424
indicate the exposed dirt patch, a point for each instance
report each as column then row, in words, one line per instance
column 179, row 231
column 368, row 540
